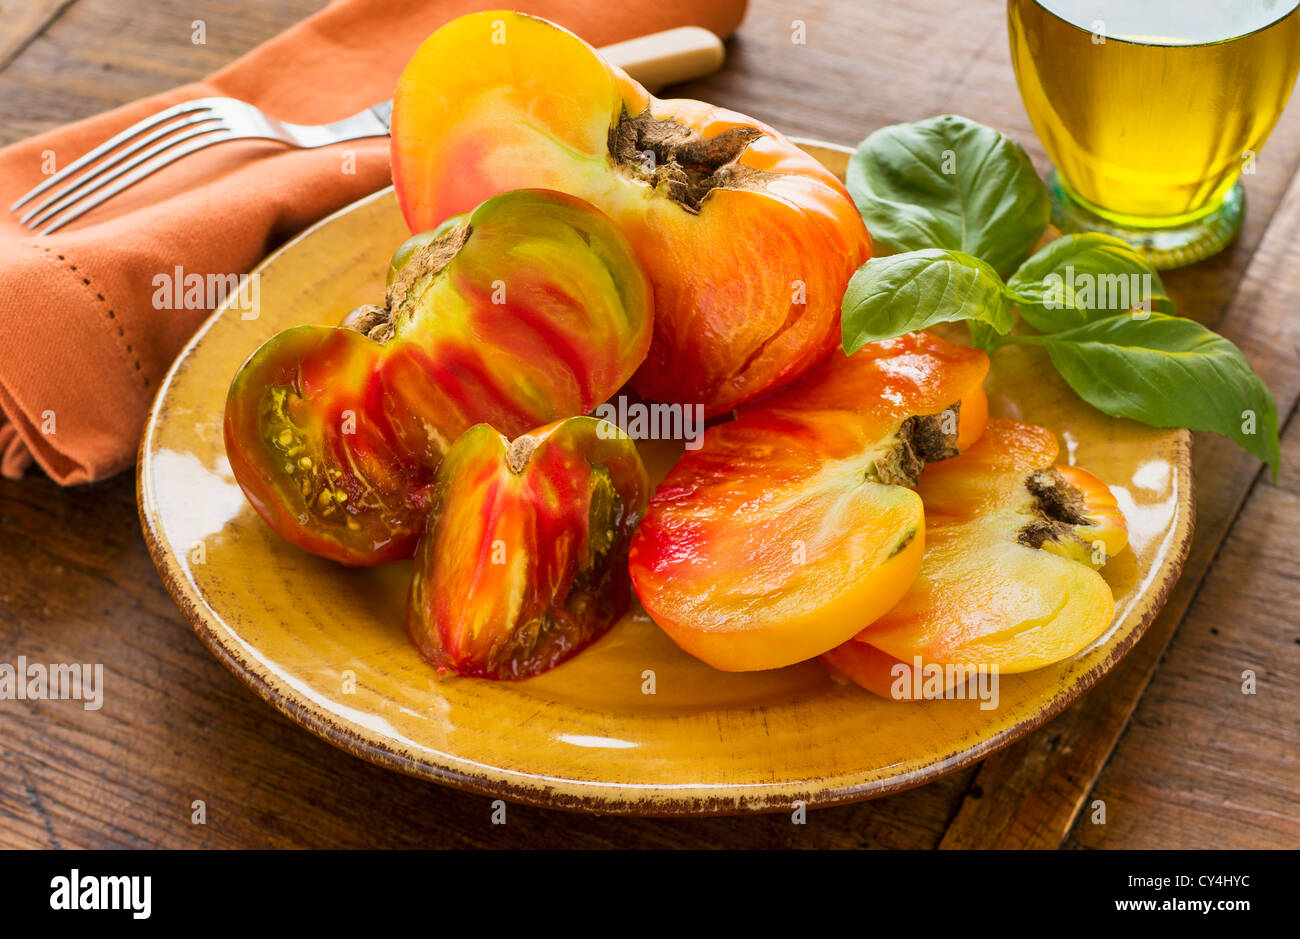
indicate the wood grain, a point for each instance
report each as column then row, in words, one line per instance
column 20, row 23
column 98, row 54
column 1200, row 757
column 76, row 583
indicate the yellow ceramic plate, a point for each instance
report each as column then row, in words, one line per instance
column 327, row 646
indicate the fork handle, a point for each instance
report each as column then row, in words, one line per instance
column 663, row 58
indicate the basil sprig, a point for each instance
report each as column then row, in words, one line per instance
column 1096, row 306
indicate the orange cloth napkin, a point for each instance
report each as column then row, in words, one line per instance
column 82, row 347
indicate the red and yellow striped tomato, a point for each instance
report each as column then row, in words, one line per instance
column 794, row 525
column 525, row 559
column 1009, row 578
column 748, row 241
column 529, row 309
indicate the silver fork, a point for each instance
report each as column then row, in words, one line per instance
column 163, row 138
column 171, row 134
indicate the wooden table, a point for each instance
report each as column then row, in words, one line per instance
column 1179, row 756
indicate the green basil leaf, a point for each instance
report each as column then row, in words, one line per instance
column 949, row 182
column 904, row 292
column 1080, row 278
column 1168, row 371
column 983, row 336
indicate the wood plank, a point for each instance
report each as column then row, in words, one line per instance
column 1038, row 809
column 20, row 23
column 1201, row 762
column 102, row 53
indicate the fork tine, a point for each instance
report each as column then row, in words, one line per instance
column 153, row 120
column 137, row 161
column 82, row 207
column 115, row 159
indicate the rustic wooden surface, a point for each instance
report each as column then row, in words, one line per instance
column 1168, row 742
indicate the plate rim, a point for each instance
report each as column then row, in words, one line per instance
column 651, row 801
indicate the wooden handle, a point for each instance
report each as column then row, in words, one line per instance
column 674, row 55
